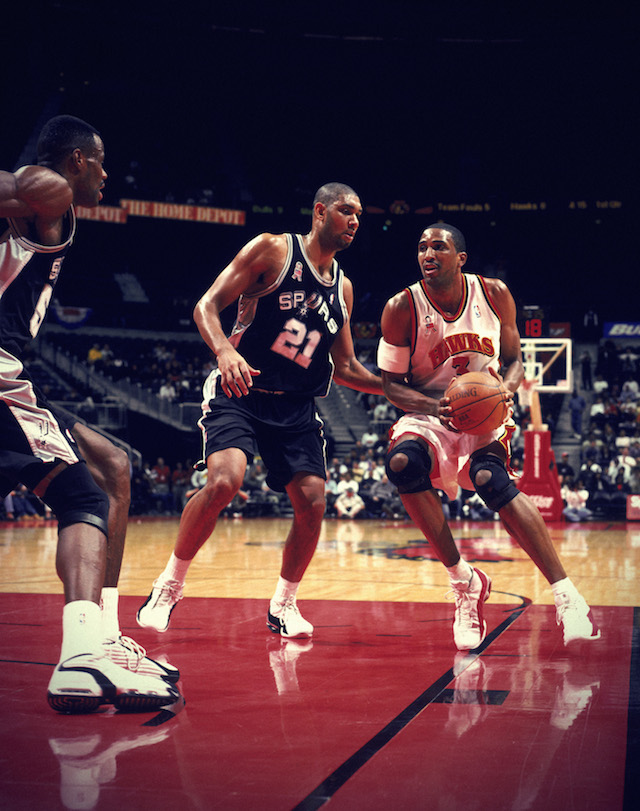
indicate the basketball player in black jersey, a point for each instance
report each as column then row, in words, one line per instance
column 38, row 449
column 291, row 337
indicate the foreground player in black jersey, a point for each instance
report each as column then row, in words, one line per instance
column 292, row 328
column 36, row 446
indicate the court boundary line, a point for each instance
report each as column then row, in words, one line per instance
column 631, row 785
column 325, row 790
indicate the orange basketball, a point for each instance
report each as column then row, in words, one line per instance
column 478, row 403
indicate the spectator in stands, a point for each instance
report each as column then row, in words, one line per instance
column 347, row 480
column 160, row 478
column 331, row 493
column 364, row 466
column 349, row 504
column 478, row 510
column 198, row 481
column 336, row 467
column 630, row 390
column 565, row 470
column 87, row 409
column 575, row 496
column 609, row 437
column 596, row 413
column 369, row 438
column 238, row 504
column 577, row 405
column 629, row 362
column 383, row 412
column 600, row 385
column 622, row 440
column 167, row 391
column 180, row 484
column 621, row 489
column 623, row 463
column 612, row 412
column 585, row 367
column 608, row 363
column 378, row 472
column 18, row 504
column 600, row 489
column 629, row 414
column 589, row 470
column 94, row 355
column 106, row 358
column 141, row 502
column 383, row 499
column 593, row 448
column 634, row 481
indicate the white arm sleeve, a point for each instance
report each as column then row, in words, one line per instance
column 393, row 358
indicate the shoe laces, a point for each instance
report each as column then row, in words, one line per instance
column 170, row 591
column 464, row 602
column 290, row 606
column 133, row 648
column 564, row 604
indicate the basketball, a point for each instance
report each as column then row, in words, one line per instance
column 478, row 403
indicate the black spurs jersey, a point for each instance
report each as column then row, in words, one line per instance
column 28, row 274
column 287, row 330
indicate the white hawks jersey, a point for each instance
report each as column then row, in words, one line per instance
column 443, row 346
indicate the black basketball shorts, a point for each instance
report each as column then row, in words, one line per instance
column 285, row 431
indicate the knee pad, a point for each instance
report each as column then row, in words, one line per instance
column 498, row 490
column 414, row 477
column 75, row 498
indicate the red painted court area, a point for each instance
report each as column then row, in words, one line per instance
column 378, row 710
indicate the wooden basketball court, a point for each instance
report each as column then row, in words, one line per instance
column 378, row 710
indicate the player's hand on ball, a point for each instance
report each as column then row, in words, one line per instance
column 445, row 411
column 507, row 391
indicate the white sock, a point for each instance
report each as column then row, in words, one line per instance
column 461, row 572
column 109, row 606
column 176, row 569
column 81, row 629
column 284, row 590
column 564, row 586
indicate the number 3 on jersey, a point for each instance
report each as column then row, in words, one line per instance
column 297, row 343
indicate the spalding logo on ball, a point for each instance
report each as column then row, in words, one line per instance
column 478, row 403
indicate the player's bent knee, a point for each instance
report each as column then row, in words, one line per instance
column 492, row 482
column 408, row 465
column 75, row 498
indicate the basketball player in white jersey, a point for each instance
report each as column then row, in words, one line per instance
column 443, row 325
column 97, row 665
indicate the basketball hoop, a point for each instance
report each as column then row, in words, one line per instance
column 547, row 368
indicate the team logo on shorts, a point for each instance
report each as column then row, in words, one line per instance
column 55, row 269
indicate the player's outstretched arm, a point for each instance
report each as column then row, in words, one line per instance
column 348, row 370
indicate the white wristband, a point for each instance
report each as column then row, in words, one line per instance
column 393, row 358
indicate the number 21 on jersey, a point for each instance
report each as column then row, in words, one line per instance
column 297, row 343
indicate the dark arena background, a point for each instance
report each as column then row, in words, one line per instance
column 220, row 120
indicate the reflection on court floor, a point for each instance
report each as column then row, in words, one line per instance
column 377, row 709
